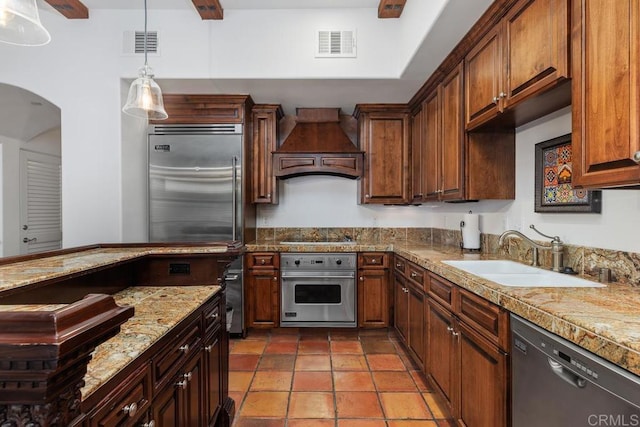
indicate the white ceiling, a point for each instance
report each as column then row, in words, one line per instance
column 20, row 119
column 235, row 4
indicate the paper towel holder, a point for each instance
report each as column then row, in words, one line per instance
column 462, row 248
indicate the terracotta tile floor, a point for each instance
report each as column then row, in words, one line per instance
column 328, row 378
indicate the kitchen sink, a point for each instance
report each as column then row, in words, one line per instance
column 510, row 273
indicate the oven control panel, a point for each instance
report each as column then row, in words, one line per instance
column 317, row 261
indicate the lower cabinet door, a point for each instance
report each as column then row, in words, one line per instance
column 193, row 396
column 213, row 394
column 373, row 291
column 483, row 381
column 441, row 350
column 417, row 324
column 166, row 407
column 401, row 307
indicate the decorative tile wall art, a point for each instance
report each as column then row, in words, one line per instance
column 554, row 191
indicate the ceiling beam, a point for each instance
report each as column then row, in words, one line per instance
column 209, row 9
column 391, row 8
column 72, row 9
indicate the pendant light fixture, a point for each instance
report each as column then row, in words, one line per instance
column 20, row 23
column 145, row 96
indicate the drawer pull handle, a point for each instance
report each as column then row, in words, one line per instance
column 130, row 409
column 262, row 261
column 214, row 315
column 182, row 384
column 414, row 274
column 184, row 348
column 187, row 376
column 149, row 424
column 208, row 348
column 398, row 265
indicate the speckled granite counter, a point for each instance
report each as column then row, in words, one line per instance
column 605, row 321
column 158, row 310
column 19, row 274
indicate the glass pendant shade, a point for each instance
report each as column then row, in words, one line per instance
column 145, row 97
column 20, row 23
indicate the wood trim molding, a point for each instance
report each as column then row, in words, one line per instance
column 391, row 8
column 487, row 21
column 209, row 9
column 72, row 9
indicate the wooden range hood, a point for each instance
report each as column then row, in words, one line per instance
column 318, row 145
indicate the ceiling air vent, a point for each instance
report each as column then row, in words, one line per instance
column 133, row 43
column 336, row 44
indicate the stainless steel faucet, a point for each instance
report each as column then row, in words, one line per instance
column 556, row 246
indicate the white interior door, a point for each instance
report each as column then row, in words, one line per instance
column 40, row 202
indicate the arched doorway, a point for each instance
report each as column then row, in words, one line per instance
column 30, row 179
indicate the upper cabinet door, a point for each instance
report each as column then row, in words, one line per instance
column 536, row 47
column 606, row 93
column 265, row 119
column 432, row 166
column 384, row 137
column 484, row 66
column 452, row 136
column 417, row 157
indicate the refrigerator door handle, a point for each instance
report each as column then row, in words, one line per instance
column 234, row 197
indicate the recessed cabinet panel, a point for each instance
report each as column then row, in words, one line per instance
column 606, row 93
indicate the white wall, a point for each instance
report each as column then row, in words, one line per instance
column 332, row 202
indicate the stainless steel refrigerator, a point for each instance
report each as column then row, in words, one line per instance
column 196, row 193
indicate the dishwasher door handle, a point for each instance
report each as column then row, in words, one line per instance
column 568, row 376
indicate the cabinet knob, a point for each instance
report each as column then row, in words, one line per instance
column 187, row 376
column 367, row 196
column 262, row 261
column 398, row 265
column 184, row 348
column 455, row 334
column 130, row 409
column 149, row 424
column 268, row 195
column 182, row 384
column 373, row 261
column 450, row 329
column 636, row 157
column 502, row 95
column 414, row 274
column 208, row 348
column 214, row 315
column 361, row 279
column 495, row 99
column 275, row 278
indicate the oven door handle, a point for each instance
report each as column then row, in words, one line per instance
column 296, row 276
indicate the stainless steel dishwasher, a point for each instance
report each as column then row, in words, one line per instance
column 555, row 383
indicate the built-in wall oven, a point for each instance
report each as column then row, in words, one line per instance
column 318, row 289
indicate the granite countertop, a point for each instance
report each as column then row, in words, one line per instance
column 157, row 310
column 24, row 273
column 605, row 321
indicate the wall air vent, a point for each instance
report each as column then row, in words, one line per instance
column 133, row 43
column 336, row 44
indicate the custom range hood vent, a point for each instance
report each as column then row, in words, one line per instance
column 318, row 145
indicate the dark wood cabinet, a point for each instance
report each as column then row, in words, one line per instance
column 606, row 93
column 373, row 290
column 467, row 343
column 525, row 54
column 440, row 350
column 262, row 290
column 409, row 307
column 214, row 379
column 383, row 135
column 265, row 123
column 419, row 159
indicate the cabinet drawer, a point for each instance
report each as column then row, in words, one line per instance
column 174, row 354
column 263, row 259
column 400, row 265
column 416, row 274
column 373, row 260
column 484, row 316
column 128, row 403
column 440, row 290
column 212, row 313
